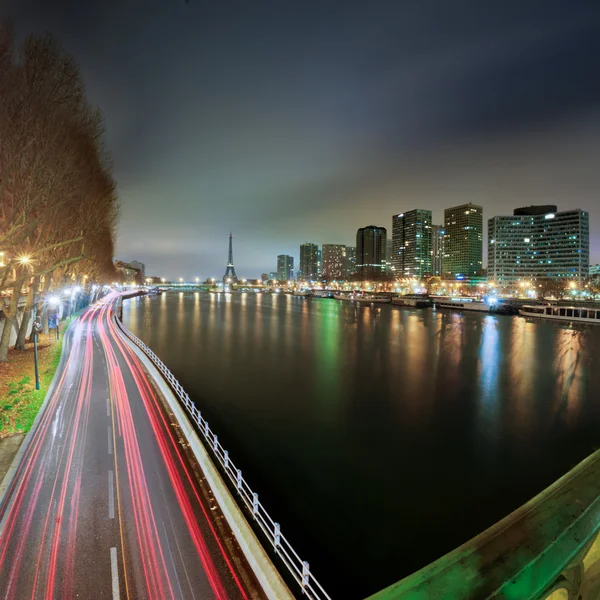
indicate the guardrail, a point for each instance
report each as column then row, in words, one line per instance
column 299, row 568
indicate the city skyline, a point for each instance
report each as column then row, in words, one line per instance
column 303, row 161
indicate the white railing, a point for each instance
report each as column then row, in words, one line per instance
column 298, row 568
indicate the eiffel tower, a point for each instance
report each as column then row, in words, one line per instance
column 230, row 276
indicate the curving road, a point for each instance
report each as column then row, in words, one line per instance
column 106, row 503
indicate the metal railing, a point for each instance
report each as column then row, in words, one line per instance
column 299, row 568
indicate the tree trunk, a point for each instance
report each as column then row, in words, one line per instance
column 10, row 314
column 20, row 345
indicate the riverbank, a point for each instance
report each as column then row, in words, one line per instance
column 20, row 401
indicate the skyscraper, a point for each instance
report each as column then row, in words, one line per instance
column 309, row 261
column 285, row 267
column 411, row 244
column 463, row 241
column 437, row 250
column 334, row 262
column 370, row 252
column 539, row 243
column 350, row 261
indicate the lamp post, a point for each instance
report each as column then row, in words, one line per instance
column 37, row 325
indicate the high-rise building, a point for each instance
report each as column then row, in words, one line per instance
column 273, row 275
column 388, row 255
column 539, row 243
column 437, row 249
column 334, row 262
column 463, row 241
column 411, row 244
column 370, row 252
column 350, row 261
column 309, row 261
column 594, row 272
column 285, row 267
column 319, row 263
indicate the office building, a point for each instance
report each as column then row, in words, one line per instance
column 437, row 250
column 334, row 262
column 319, row 263
column 350, row 261
column 285, row 267
column 594, row 272
column 273, row 275
column 411, row 244
column 309, row 262
column 463, row 241
column 370, row 252
column 539, row 243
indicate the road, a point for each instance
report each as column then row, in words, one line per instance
column 106, row 502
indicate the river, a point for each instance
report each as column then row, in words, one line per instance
column 380, row 437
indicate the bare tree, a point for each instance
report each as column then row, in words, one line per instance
column 58, row 207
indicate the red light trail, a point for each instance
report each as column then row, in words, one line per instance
column 60, row 535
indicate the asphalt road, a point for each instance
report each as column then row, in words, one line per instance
column 106, row 502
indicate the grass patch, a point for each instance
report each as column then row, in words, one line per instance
column 20, row 402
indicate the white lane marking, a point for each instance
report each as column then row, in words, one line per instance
column 108, row 407
column 111, row 495
column 110, row 440
column 114, row 570
column 172, row 560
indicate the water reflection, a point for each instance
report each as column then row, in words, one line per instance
column 376, row 424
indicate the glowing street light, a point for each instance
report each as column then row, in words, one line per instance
column 197, row 279
column 181, row 280
column 24, row 260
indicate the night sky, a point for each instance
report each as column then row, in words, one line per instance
column 286, row 122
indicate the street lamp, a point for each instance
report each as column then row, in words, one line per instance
column 37, row 326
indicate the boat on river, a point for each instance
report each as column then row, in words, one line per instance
column 414, row 300
column 322, row 294
column 462, row 303
column 363, row 298
column 577, row 314
column 302, row 292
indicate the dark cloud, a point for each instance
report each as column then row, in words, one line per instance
column 285, row 121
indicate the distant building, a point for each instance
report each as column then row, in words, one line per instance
column 285, row 267
column 539, row 243
column 411, row 244
column 128, row 273
column 319, row 263
column 437, row 250
column 350, row 261
column 594, row 271
column 388, row 255
column 309, row 261
column 334, row 262
column 370, row 252
column 139, row 266
column 273, row 275
column 463, row 241
column 264, row 277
